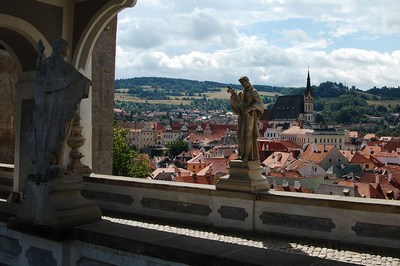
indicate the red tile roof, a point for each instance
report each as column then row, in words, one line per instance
column 392, row 145
column 214, row 168
column 278, row 159
column 270, row 145
column 383, row 189
column 387, row 154
column 195, row 179
column 316, row 152
column 293, row 189
column 131, row 125
column 370, row 136
column 356, row 157
column 285, row 174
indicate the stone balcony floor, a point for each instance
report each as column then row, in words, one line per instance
column 336, row 252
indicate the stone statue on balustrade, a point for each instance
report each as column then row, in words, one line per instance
column 58, row 90
column 248, row 105
column 244, row 173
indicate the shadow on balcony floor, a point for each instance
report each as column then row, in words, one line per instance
column 265, row 249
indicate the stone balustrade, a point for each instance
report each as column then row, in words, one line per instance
column 335, row 218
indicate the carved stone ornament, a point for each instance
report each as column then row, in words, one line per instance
column 75, row 141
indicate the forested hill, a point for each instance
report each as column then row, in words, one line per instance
column 326, row 89
column 174, row 84
column 385, row 92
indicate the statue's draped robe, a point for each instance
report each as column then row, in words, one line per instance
column 58, row 90
column 247, row 130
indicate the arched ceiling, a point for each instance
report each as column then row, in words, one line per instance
column 24, row 22
column 21, row 47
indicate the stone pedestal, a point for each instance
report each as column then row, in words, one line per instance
column 57, row 203
column 243, row 176
column 76, row 141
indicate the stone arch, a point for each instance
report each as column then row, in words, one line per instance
column 93, row 29
column 18, row 39
column 81, row 23
column 27, row 35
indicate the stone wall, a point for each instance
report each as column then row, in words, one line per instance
column 8, row 79
column 18, row 248
column 369, row 222
column 347, row 219
column 103, row 65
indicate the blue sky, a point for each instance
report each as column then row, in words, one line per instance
column 356, row 42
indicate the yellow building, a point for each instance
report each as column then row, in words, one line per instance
column 303, row 136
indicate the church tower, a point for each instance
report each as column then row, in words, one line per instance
column 308, row 103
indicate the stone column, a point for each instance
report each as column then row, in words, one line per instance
column 8, row 79
column 103, row 66
column 23, row 165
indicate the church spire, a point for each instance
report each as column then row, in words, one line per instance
column 308, row 102
column 308, row 88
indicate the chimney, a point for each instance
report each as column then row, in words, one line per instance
column 377, row 178
column 267, row 170
column 346, row 191
column 389, row 177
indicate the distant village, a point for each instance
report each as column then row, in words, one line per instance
column 296, row 154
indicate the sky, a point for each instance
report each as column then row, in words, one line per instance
column 273, row 42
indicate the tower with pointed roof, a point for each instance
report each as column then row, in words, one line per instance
column 293, row 110
column 308, row 102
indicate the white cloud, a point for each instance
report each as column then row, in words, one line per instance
column 214, row 40
column 300, row 39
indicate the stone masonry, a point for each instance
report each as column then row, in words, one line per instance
column 103, row 66
column 8, row 78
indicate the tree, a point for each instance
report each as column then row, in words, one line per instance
column 176, row 147
column 126, row 161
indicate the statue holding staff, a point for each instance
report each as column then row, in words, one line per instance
column 248, row 105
